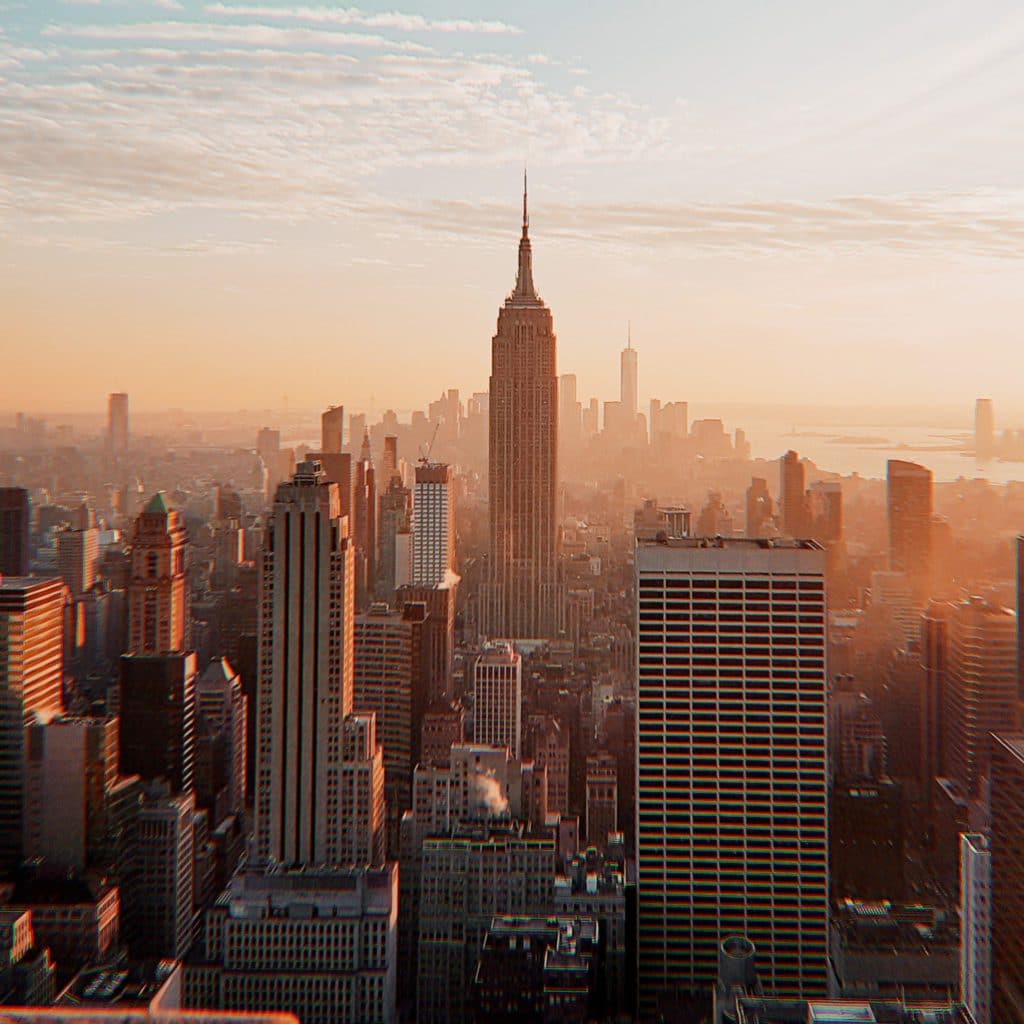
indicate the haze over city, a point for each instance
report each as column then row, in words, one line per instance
column 793, row 203
column 511, row 514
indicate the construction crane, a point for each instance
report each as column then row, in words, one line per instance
column 425, row 455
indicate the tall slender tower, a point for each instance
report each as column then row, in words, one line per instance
column 117, row 423
column 158, row 586
column 628, row 393
column 521, row 599
column 305, row 683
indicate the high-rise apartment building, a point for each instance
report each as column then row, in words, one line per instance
column 389, row 680
column 433, row 525
column 305, row 673
column 909, row 501
column 732, row 766
column 163, row 883
column 498, row 698
column 1007, row 848
column 221, row 712
column 364, row 841
column 521, row 598
column 469, row 877
column 158, row 608
column 976, row 925
column 364, row 524
column 117, row 423
column 320, row 944
column 71, row 770
column 15, row 520
column 31, row 683
column 979, row 691
column 792, row 496
column 78, row 553
column 332, row 426
column 157, row 709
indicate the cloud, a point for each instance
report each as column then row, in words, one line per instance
column 399, row 21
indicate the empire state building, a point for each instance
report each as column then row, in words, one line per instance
column 521, row 597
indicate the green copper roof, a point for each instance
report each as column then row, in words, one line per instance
column 157, row 504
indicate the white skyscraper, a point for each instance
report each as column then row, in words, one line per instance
column 305, row 681
column 498, row 698
column 976, row 925
column 731, row 749
column 433, row 525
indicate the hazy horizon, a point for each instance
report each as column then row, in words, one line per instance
column 200, row 199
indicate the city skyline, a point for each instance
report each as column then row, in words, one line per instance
column 878, row 227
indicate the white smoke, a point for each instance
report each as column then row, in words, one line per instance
column 488, row 791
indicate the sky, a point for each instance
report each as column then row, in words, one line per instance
column 223, row 205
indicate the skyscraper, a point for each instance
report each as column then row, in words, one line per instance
column 1007, row 847
column 792, row 496
column 15, row 516
column 976, row 925
column 78, row 552
column 629, row 396
column 498, row 698
column 731, row 760
column 158, row 585
column 984, row 429
column 759, row 507
column 364, row 834
column 390, row 680
column 221, row 710
column 305, row 682
column 31, row 682
column 332, row 425
column 433, row 525
column 909, row 498
column 980, row 688
column 521, row 598
column 157, row 718
column 117, row 423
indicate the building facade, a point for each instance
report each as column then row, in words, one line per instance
column 498, row 698
column 158, row 585
column 732, row 761
column 433, row 525
column 976, row 925
column 305, row 672
column 521, row 598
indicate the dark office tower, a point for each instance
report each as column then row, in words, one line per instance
column 31, row 678
column 158, row 585
column 117, row 423
column 332, row 425
column 759, row 508
column 1007, row 846
column 157, row 718
column 792, row 497
column 521, row 597
column 394, row 532
column 365, row 518
column 15, row 516
column 268, row 443
column 984, row 429
column 731, row 761
column 229, row 503
column 980, row 692
column 305, row 685
column 909, row 497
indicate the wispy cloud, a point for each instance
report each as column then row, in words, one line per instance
column 397, row 20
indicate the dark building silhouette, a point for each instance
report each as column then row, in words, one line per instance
column 792, row 497
column 157, row 718
column 15, row 518
column 1007, row 846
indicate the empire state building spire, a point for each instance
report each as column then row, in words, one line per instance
column 524, row 294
